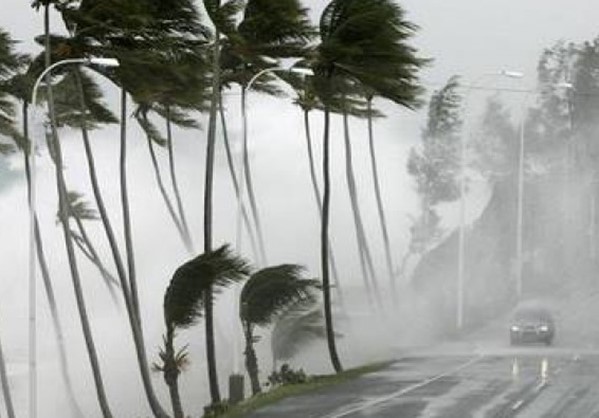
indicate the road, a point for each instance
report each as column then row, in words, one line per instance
column 479, row 376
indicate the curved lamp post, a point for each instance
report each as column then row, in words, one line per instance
column 241, row 174
column 241, row 182
column 108, row 62
column 462, row 230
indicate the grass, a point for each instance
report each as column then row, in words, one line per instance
column 314, row 383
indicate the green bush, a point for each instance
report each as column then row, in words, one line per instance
column 216, row 409
column 287, row 376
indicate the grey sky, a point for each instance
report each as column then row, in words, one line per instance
column 468, row 37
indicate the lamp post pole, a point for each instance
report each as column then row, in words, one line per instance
column 239, row 233
column 462, row 228
column 32, row 290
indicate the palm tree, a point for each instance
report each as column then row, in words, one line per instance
column 185, row 303
column 366, row 262
column 267, row 31
column 9, row 64
column 363, row 40
column 76, row 279
column 19, row 86
column 307, row 101
column 378, row 195
column 266, row 296
column 133, row 27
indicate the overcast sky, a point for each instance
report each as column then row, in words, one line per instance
column 467, row 37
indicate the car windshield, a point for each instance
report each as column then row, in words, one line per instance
column 533, row 315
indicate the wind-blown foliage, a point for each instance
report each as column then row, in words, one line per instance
column 183, row 301
column 192, row 284
column 267, row 295
column 363, row 41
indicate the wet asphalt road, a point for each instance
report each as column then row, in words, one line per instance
column 480, row 376
column 527, row 382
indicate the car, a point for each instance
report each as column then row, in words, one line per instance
column 532, row 324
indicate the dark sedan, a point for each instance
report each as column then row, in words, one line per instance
column 532, row 325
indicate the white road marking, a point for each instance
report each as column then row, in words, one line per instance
column 397, row 394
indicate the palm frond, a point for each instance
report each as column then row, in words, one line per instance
column 271, row 291
column 184, row 297
column 151, row 131
column 79, row 208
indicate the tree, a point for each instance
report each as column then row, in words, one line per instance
column 123, row 30
column 268, row 294
column 266, row 32
column 435, row 167
column 363, row 40
column 307, row 101
column 185, row 304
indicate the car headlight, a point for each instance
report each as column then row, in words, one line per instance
column 544, row 328
column 515, row 328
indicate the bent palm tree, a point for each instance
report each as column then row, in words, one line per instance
column 363, row 40
column 267, row 294
column 185, row 303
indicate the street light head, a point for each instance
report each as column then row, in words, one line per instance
column 512, row 74
column 565, row 85
column 303, row 71
column 106, row 62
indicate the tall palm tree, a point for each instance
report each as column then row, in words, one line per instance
column 379, row 197
column 267, row 294
column 185, row 303
column 366, row 262
column 307, row 101
column 123, row 30
column 10, row 62
column 267, row 31
column 75, row 276
column 363, row 40
column 18, row 86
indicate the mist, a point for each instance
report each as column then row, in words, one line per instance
column 507, row 38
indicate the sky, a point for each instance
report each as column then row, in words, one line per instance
column 465, row 37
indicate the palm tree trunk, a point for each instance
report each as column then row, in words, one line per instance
column 10, row 410
column 208, row 192
column 318, row 200
column 366, row 263
column 324, row 250
column 251, row 360
column 248, row 180
column 48, row 287
column 89, row 341
column 165, row 197
column 129, row 287
column 63, row 211
column 175, row 184
column 379, row 202
column 233, row 174
column 171, row 374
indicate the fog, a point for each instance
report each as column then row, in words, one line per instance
column 465, row 37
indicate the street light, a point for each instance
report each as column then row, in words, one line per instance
column 520, row 204
column 241, row 174
column 241, row 182
column 107, row 62
column 462, row 230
